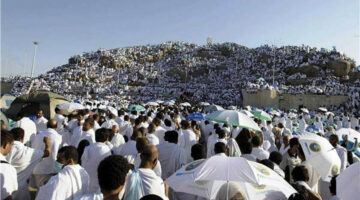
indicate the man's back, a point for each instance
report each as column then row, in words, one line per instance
column 172, row 158
column 160, row 133
column 22, row 157
column 150, row 182
column 46, row 165
column 92, row 156
column 8, row 180
column 128, row 150
column 260, row 153
column 41, row 124
column 29, row 128
column 70, row 182
column 188, row 140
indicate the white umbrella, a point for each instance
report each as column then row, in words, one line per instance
column 70, row 106
column 151, row 103
column 246, row 112
column 233, row 118
column 185, row 104
column 204, row 104
column 330, row 113
column 213, row 108
column 220, row 169
column 112, row 110
column 347, row 183
column 159, row 101
column 323, row 109
column 183, row 180
column 321, row 155
column 270, row 191
column 169, row 103
column 205, row 177
column 304, row 110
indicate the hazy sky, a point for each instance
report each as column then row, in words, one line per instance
column 67, row 27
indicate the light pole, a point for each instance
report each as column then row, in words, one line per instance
column 34, row 58
column 273, row 73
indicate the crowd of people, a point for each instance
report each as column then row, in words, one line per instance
column 143, row 73
column 109, row 153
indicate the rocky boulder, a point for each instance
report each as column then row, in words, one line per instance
column 341, row 67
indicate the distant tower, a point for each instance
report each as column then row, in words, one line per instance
column 209, row 40
column 36, row 43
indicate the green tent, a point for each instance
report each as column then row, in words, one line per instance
column 30, row 103
column 4, row 118
column 6, row 101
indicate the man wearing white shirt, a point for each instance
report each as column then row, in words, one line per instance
column 44, row 169
column 140, row 144
column 220, row 149
column 212, row 140
column 110, row 122
column 28, row 126
column 74, row 121
column 159, row 130
column 153, row 139
column 120, row 118
column 8, row 180
column 354, row 122
column 71, row 181
column 126, row 128
column 24, row 159
column 342, row 152
column 128, row 150
column 285, row 144
column 117, row 140
column 87, row 132
column 40, row 121
column 171, row 155
column 112, row 172
column 221, row 138
column 257, row 151
column 150, row 182
column 93, row 154
column 206, row 130
column 302, row 124
column 276, row 158
column 59, row 117
column 187, row 139
column 318, row 123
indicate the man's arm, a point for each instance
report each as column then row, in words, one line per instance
column 47, row 150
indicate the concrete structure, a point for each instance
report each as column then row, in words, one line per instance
column 273, row 99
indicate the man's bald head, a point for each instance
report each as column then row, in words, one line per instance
column 52, row 123
column 149, row 156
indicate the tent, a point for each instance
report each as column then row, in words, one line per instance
column 4, row 119
column 30, row 103
column 6, row 101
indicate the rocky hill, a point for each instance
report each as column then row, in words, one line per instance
column 208, row 71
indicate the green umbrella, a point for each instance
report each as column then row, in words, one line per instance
column 136, row 107
column 233, row 118
column 260, row 114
